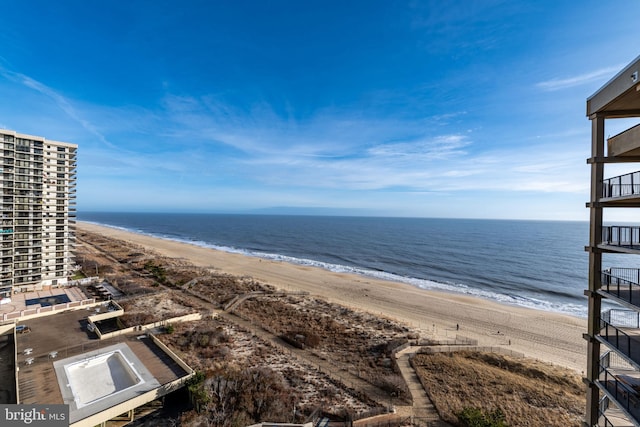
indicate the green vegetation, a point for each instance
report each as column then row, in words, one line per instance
column 475, row 417
column 157, row 271
column 197, row 392
column 78, row 275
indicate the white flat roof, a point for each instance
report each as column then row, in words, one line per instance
column 97, row 380
column 100, row 377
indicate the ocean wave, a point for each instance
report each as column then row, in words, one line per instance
column 572, row 309
column 517, row 300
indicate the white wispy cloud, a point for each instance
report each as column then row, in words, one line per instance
column 63, row 103
column 439, row 147
column 580, row 79
column 334, row 150
column 210, row 145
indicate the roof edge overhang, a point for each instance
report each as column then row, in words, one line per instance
column 613, row 90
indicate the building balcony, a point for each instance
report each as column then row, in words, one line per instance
column 621, row 285
column 22, row 281
column 22, row 244
column 26, row 275
column 625, row 144
column 621, row 238
column 620, row 331
column 621, row 386
column 30, row 254
column 623, row 190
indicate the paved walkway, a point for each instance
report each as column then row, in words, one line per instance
column 424, row 413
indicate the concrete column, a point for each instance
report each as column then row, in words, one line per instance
column 595, row 269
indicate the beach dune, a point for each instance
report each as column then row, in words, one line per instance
column 550, row 337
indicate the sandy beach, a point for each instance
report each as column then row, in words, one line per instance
column 549, row 337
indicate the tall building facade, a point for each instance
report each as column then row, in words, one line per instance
column 37, row 235
column 613, row 335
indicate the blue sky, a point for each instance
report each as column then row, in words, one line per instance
column 418, row 108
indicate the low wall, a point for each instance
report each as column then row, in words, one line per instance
column 172, row 355
column 379, row 420
column 186, row 318
column 117, row 312
column 33, row 313
column 131, row 404
column 61, row 283
column 6, row 328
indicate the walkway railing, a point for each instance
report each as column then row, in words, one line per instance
column 619, row 418
column 621, row 318
column 621, row 186
column 610, row 323
column 602, row 407
column 621, row 235
column 622, row 393
column 613, row 361
column 623, row 283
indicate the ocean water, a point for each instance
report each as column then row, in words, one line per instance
column 535, row 264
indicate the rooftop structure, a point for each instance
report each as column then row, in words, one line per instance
column 613, row 335
column 61, row 361
column 37, row 209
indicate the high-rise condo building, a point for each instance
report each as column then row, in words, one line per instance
column 613, row 334
column 37, row 235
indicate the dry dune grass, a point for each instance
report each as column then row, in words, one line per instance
column 530, row 393
column 220, row 349
column 353, row 341
column 155, row 307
